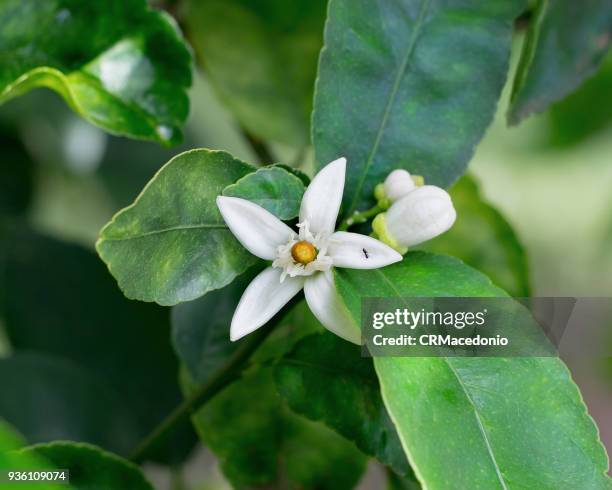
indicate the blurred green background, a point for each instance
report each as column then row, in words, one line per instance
column 552, row 179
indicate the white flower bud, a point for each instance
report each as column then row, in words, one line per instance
column 397, row 184
column 421, row 215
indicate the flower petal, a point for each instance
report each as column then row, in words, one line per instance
column 357, row 251
column 259, row 231
column 326, row 305
column 322, row 199
column 262, row 299
column 397, row 184
column 421, row 215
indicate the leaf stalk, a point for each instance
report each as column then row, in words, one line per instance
column 360, row 217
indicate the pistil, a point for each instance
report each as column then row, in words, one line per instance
column 303, row 252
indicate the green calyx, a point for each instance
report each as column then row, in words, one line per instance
column 379, row 192
column 381, row 196
column 418, row 180
column 382, row 200
column 379, row 226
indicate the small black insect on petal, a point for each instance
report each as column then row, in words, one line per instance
column 365, row 252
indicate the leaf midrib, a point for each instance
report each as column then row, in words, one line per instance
column 467, row 395
column 481, row 427
column 390, row 101
column 167, row 230
column 67, row 83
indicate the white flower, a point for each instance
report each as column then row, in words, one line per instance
column 397, row 184
column 302, row 260
column 421, row 215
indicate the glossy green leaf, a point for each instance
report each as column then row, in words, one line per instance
column 200, row 331
column 298, row 173
column 483, row 239
column 48, row 398
column 266, row 442
column 568, row 121
column 273, row 188
column 13, row 459
column 81, row 316
column 325, row 379
column 120, row 65
column 200, row 328
column 261, row 443
column 261, row 57
column 469, row 422
column 10, row 440
column 91, row 468
column 172, row 245
column 297, row 324
column 408, row 84
column 565, row 44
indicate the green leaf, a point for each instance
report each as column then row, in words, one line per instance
column 568, row 121
column 90, row 467
column 12, row 459
column 261, row 443
column 297, row 324
column 408, row 84
column 325, row 379
column 200, row 328
column 82, row 317
column 172, row 245
column 9, row 441
column 565, row 44
column 469, row 422
column 298, row 173
column 47, row 398
column 200, row 331
column 496, row 251
column 273, row 188
column 261, row 59
column 256, row 437
column 120, row 65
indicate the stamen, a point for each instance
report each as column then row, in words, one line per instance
column 303, row 252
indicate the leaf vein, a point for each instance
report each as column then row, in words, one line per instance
column 167, row 230
column 391, row 99
column 469, row 398
column 480, row 425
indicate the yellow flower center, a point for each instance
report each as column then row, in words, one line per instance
column 303, row 252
